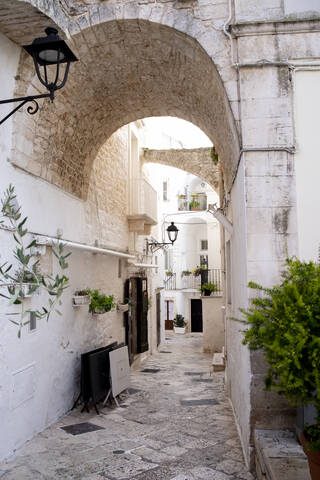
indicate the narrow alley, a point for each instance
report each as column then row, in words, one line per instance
column 176, row 423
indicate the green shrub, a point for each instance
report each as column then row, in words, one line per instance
column 179, row 321
column 208, row 287
column 284, row 321
column 100, row 303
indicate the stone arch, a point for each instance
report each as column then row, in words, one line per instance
column 129, row 69
column 197, row 161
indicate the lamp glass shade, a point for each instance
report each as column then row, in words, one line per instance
column 172, row 232
column 50, row 50
column 51, row 56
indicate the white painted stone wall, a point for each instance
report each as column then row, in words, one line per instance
column 213, row 324
column 39, row 373
column 238, row 372
column 307, row 165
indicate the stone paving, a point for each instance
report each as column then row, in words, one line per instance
column 174, row 424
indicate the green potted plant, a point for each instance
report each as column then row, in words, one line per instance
column 197, row 270
column 100, row 303
column 284, row 321
column 81, row 297
column 194, row 205
column 186, row 273
column 207, row 288
column 169, row 273
column 179, row 324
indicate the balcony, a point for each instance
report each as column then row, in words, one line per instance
column 194, row 202
column 193, row 282
column 142, row 206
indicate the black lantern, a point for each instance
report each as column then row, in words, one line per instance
column 172, row 231
column 49, row 53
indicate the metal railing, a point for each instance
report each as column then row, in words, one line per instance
column 214, row 276
column 191, row 282
column 170, row 282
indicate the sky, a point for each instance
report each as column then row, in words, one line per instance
column 188, row 134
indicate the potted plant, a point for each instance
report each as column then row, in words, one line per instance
column 197, row 270
column 186, row 273
column 284, row 321
column 194, row 205
column 179, row 324
column 100, row 303
column 81, row 297
column 169, row 273
column 207, row 288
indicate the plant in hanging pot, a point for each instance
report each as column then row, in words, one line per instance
column 179, row 324
column 100, row 303
column 81, row 297
column 169, row 273
column 186, row 273
column 284, row 321
column 207, row 288
column 197, row 270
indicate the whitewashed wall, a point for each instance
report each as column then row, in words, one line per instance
column 39, row 373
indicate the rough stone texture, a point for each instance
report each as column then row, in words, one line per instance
column 197, row 161
column 279, row 456
column 154, row 436
column 133, row 65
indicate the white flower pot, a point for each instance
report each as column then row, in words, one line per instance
column 81, row 299
column 179, row 330
column 122, row 307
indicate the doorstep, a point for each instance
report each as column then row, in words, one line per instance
column 279, row 456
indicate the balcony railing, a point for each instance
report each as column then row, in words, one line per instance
column 170, row 282
column 191, row 282
column 214, row 276
column 193, row 202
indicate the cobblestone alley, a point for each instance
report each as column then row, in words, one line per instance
column 175, row 424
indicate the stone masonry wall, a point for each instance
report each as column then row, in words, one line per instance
column 197, row 161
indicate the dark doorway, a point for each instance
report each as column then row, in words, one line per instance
column 137, row 317
column 158, row 319
column 196, row 315
column 169, row 308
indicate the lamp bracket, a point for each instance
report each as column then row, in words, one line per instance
column 32, row 109
column 155, row 246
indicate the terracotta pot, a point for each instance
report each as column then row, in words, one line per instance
column 313, row 458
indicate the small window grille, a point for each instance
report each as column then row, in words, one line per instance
column 33, row 322
column 204, row 244
column 119, row 268
column 165, row 191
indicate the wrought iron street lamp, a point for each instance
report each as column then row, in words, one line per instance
column 49, row 53
column 172, row 231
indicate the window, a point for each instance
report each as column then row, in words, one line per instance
column 33, row 322
column 203, row 244
column 165, row 190
column 119, row 268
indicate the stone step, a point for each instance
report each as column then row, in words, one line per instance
column 279, row 456
column 218, row 364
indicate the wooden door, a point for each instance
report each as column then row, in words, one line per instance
column 196, row 315
column 137, row 319
column 142, row 315
column 169, row 312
